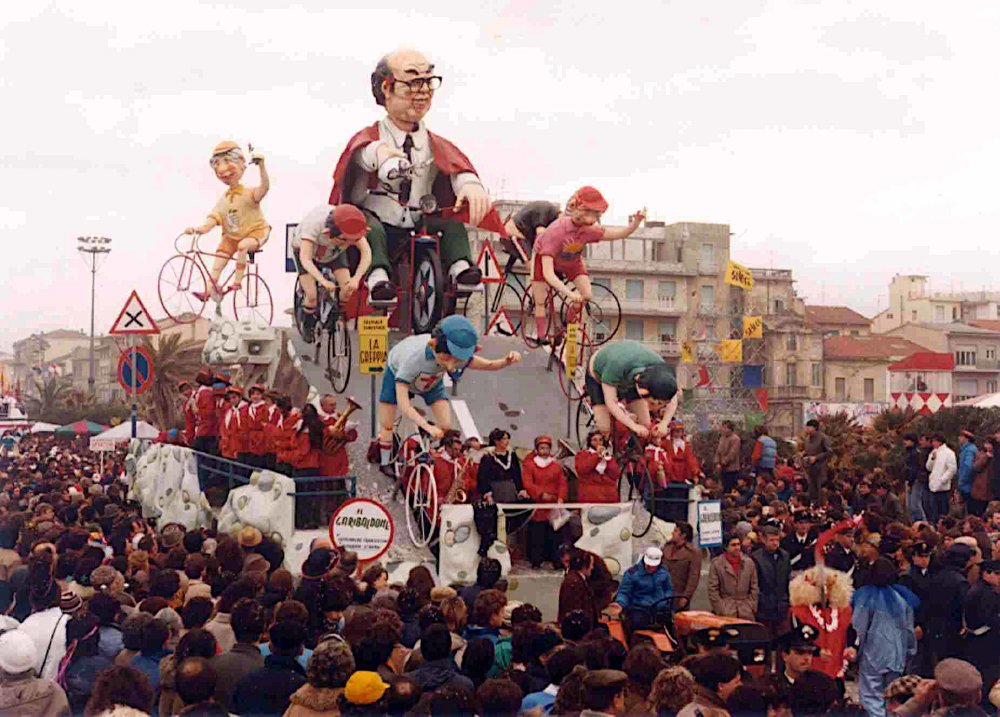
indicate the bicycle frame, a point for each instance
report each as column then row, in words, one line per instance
column 197, row 254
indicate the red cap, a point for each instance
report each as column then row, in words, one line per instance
column 184, row 384
column 590, row 198
column 235, row 390
column 257, row 387
column 543, row 439
column 349, row 222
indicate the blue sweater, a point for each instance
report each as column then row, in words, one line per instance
column 643, row 589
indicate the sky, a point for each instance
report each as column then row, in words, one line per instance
column 844, row 142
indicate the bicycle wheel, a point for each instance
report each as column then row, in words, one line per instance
column 645, row 499
column 421, row 505
column 427, row 291
column 602, row 315
column 253, row 300
column 338, row 354
column 297, row 307
column 584, row 423
column 180, row 279
column 571, row 382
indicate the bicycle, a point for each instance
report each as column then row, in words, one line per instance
column 332, row 320
column 185, row 285
column 413, row 465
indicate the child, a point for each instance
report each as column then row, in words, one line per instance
column 559, row 248
column 417, row 365
column 244, row 228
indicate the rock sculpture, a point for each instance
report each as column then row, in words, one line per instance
column 266, row 503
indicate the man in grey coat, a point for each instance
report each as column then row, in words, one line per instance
column 816, row 453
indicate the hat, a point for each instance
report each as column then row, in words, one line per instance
column 104, row 577
column 347, row 222
column 990, row 566
column 543, row 439
column 259, row 387
column 903, row 686
column 653, row 556
column 508, row 610
column 209, row 546
column 441, row 593
column 743, row 529
column 224, row 146
column 677, row 425
column 70, row 602
column 460, row 334
column 364, row 688
column 223, row 378
column 959, row 676
column 802, row 637
column 922, row 548
column 710, row 637
column 235, row 389
column 590, row 198
column 17, row 652
column 172, row 535
column 204, row 377
column 604, row 679
column 184, row 384
column 802, row 516
column 250, row 537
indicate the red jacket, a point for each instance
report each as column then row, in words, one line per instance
column 592, row 485
column 337, row 464
column 207, row 413
column 228, row 433
column 272, row 430
column 288, row 426
column 448, row 158
column 657, row 460
column 550, row 479
column 303, row 455
column 446, row 471
column 683, row 463
column 252, row 420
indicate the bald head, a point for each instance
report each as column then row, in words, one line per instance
column 403, row 105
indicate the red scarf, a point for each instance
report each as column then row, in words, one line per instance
column 735, row 561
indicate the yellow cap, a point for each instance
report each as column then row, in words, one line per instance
column 364, row 688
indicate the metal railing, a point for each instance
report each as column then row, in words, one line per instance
column 235, row 474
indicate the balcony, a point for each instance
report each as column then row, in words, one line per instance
column 659, row 306
column 980, row 365
column 648, row 265
column 664, row 348
column 811, row 393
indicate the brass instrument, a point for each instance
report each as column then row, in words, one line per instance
column 332, row 442
column 565, row 451
column 456, row 494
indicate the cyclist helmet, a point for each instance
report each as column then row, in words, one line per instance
column 589, row 198
column 659, row 380
column 346, row 222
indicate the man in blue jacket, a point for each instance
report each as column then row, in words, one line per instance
column 966, row 457
column 644, row 593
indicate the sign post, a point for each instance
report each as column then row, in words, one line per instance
column 572, row 339
column 134, row 320
column 373, row 352
column 710, row 523
column 362, row 526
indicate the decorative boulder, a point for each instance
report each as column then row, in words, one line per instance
column 165, row 484
column 607, row 532
column 267, row 504
column 460, row 546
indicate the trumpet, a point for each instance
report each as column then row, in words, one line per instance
column 333, row 442
column 606, row 453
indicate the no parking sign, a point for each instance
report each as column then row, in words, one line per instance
column 143, row 369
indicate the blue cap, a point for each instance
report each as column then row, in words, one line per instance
column 461, row 336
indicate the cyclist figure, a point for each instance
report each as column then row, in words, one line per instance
column 244, row 228
column 416, row 366
column 526, row 225
column 628, row 371
column 560, row 249
column 323, row 237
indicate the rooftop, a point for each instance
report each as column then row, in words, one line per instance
column 925, row 361
column 985, row 324
column 836, row 315
column 957, row 327
column 886, row 348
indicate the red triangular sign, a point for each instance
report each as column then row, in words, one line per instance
column 489, row 264
column 134, row 319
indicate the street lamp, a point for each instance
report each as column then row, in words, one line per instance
column 92, row 246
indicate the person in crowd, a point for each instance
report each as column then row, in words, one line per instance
column 560, row 662
column 329, row 670
column 683, row 560
column 773, row 574
column 248, row 622
column 816, row 454
column 916, row 475
column 488, row 572
column 957, row 689
column 918, row 579
column 21, row 692
column 980, row 493
column 715, row 677
column 120, row 691
column 966, row 464
column 645, row 594
column 575, row 593
column 727, row 456
column 673, row 689
column 800, row 542
column 597, row 472
column 733, row 589
column 642, row 666
column 268, row 689
column 945, row 603
column 765, row 453
column 195, row 643
column 545, row 481
column 981, row 621
column 798, row 649
column 438, row 666
column 942, row 467
column 196, row 682
column 152, row 650
column 83, row 662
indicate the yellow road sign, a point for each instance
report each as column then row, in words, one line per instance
column 572, row 340
column 373, row 343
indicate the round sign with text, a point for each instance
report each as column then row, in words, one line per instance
column 362, row 526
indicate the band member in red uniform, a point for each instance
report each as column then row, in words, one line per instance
column 252, row 418
column 338, row 463
column 206, row 434
column 229, row 427
column 285, row 441
column 597, row 472
column 305, row 455
column 545, row 481
column 683, row 471
column 188, row 408
column 472, row 449
column 450, row 469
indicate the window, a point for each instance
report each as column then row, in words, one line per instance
column 954, row 313
column 913, row 315
column 939, row 314
column 840, row 388
column 965, row 356
column 817, row 374
column 888, row 316
column 666, row 291
column 633, row 329
column 790, row 342
column 991, row 387
column 633, row 289
column 869, row 390
column 998, row 311
column 707, row 296
column 991, row 353
column 710, row 331
column 790, row 378
column 779, row 306
column 855, row 332
column 707, row 254
column 966, row 388
column 667, row 329
column 604, row 281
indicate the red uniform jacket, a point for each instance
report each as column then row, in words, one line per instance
column 683, row 463
column 252, row 420
column 832, row 624
column 593, row 486
column 272, row 429
column 303, row 455
column 446, row 471
column 207, row 413
column 227, row 433
column 337, row 464
column 190, row 420
column 657, row 459
column 550, row 479
column 448, row 158
column 285, row 439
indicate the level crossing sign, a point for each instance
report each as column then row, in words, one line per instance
column 134, row 319
column 136, row 365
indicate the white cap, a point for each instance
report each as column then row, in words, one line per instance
column 653, row 556
column 17, row 652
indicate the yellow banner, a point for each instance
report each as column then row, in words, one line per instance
column 753, row 327
column 687, row 352
column 737, row 275
column 730, row 350
column 373, row 343
column 570, row 351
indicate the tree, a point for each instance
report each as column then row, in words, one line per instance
column 174, row 360
column 49, row 398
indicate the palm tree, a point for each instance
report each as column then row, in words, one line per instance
column 49, row 397
column 174, row 360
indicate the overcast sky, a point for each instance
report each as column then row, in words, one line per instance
column 843, row 143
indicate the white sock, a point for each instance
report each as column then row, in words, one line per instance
column 376, row 276
column 458, row 267
column 385, row 452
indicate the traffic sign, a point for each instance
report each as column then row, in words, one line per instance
column 134, row 319
column 144, row 373
column 373, row 343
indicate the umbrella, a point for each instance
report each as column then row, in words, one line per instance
column 123, row 431
column 80, row 428
column 43, row 427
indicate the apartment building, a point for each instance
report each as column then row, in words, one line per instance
column 838, row 321
column 974, row 349
column 35, row 354
column 856, row 368
column 912, row 301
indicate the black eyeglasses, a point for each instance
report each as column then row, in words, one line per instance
column 420, row 83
